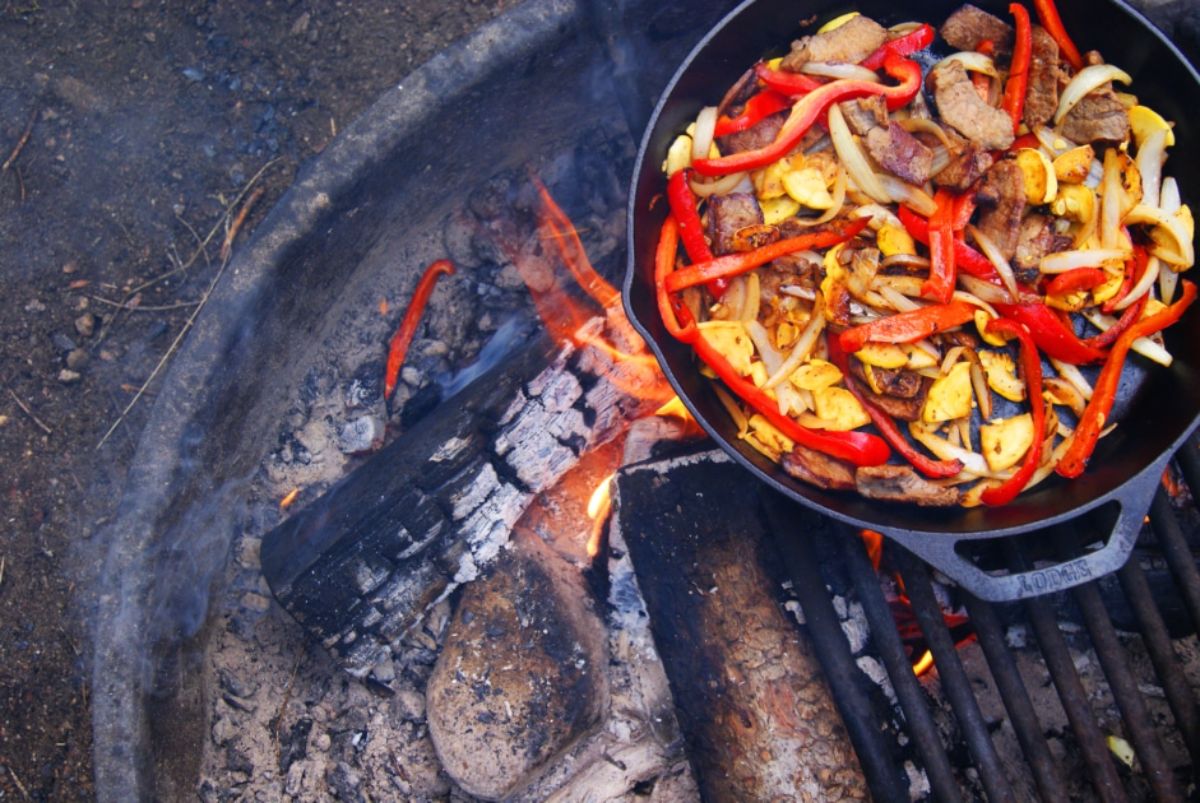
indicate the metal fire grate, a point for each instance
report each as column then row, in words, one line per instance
column 811, row 560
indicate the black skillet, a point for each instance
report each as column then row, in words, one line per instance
column 1156, row 408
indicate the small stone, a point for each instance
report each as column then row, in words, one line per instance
column 193, row 74
column 321, row 742
column 384, row 671
column 300, row 26
column 62, row 342
column 361, row 434
column 35, row 306
column 70, row 266
column 412, row 376
column 410, row 705
column 255, row 602
column 68, row 377
column 3, row 421
column 77, row 358
column 150, row 37
column 108, row 355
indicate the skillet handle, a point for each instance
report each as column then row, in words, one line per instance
column 1134, row 499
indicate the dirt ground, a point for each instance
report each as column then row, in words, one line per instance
column 134, row 125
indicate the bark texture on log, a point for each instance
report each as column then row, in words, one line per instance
column 756, row 713
column 361, row 564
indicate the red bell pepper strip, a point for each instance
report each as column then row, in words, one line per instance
column 1031, row 367
column 858, row 448
column 1131, row 314
column 887, row 427
column 809, row 109
column 758, row 108
column 1018, row 73
column 1047, row 13
column 907, row 327
column 1095, row 415
column 964, row 208
column 942, row 273
column 917, row 39
column 1134, row 267
column 1050, row 334
column 691, row 229
column 1074, row 280
column 786, row 83
column 966, row 258
column 1024, row 141
column 398, row 347
column 730, row 265
column 668, row 306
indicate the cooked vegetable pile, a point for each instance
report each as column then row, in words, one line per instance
column 896, row 288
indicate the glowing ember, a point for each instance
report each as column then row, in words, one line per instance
column 289, row 498
column 923, row 664
column 873, row 541
column 674, row 409
column 598, row 507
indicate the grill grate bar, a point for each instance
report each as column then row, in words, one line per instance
column 957, row 686
column 1166, row 665
column 885, row 778
column 1102, row 771
column 1188, row 458
column 1126, row 694
column 1016, row 699
column 1177, row 554
column 921, row 726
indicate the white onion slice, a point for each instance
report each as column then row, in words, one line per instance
column 943, row 449
column 1063, row 261
column 984, row 291
column 1085, row 81
column 1184, row 252
column 770, row 356
column 721, row 186
column 1143, row 345
column 804, row 346
column 972, row 62
column 1073, row 375
column 852, row 157
column 839, row 199
column 907, row 260
column 1054, row 144
column 753, row 297
column 706, row 124
column 880, row 215
column 1167, row 280
column 940, row 161
column 1147, row 280
column 898, row 300
column 1169, row 200
column 971, row 298
column 911, row 196
column 992, row 252
column 838, row 69
column 796, row 291
column 1060, row 387
column 911, row 124
column 1111, row 197
column 1150, row 158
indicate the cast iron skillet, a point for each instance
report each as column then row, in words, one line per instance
column 1156, row 410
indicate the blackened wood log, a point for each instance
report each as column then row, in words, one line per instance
column 756, row 713
column 361, row 564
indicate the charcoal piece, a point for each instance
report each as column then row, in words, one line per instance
column 757, row 717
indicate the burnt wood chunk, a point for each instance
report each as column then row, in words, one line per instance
column 360, row 565
column 756, row 714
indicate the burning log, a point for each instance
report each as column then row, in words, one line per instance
column 361, row 564
column 756, row 714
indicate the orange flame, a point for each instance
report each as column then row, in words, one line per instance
column 288, row 499
column 598, row 507
column 923, row 664
column 873, row 541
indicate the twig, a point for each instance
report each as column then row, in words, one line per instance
column 2, row 559
column 20, row 183
column 232, row 231
column 25, row 409
column 20, row 146
column 20, row 785
column 144, row 307
column 199, row 240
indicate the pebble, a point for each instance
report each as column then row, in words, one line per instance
column 68, row 377
column 412, row 376
column 255, row 602
column 85, row 324
column 3, row 421
column 361, row 434
column 70, row 266
column 35, row 306
column 77, row 358
column 63, row 342
column 321, row 742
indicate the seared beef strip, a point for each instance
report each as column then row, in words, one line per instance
column 961, row 107
column 1099, row 117
column 1002, row 203
column 970, row 25
column 902, row 484
column 904, row 408
column 789, row 269
column 759, row 135
column 895, row 382
column 849, row 43
column 1036, row 239
column 864, row 114
column 900, row 153
column 1041, row 98
column 965, row 169
column 821, row 470
column 729, row 213
column 741, row 91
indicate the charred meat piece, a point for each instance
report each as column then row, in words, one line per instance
column 891, row 381
column 902, row 484
column 961, row 107
column 1036, row 239
column 965, row 169
column 849, row 43
column 970, row 25
column 900, row 153
column 864, row 114
column 1002, row 204
column 1099, row 117
column 819, row 469
column 727, row 214
column 759, row 135
column 1041, row 98
column 789, row 269
column 750, row 237
column 739, row 93
column 895, row 404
